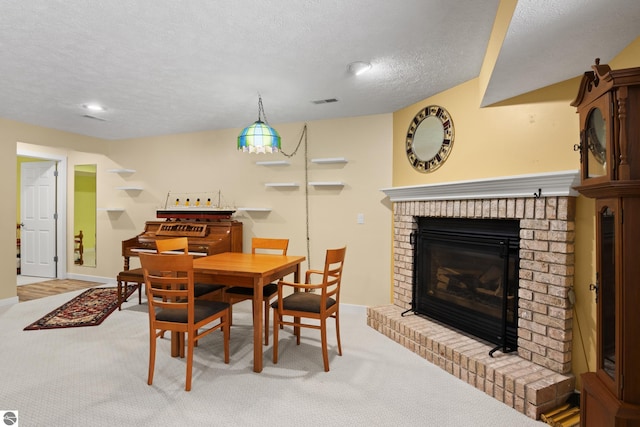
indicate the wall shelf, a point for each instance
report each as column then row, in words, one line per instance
column 110, row 209
column 330, row 160
column 121, row 170
column 274, row 163
column 254, row 209
column 281, row 184
column 327, row 184
column 130, row 188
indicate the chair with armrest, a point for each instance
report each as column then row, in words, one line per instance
column 317, row 301
column 181, row 245
column 236, row 294
column 173, row 307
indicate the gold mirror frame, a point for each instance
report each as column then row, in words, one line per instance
column 429, row 138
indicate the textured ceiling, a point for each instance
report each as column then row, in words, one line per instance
column 165, row 66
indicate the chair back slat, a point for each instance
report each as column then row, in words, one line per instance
column 332, row 275
column 173, row 244
column 268, row 245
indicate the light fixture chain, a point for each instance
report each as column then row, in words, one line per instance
column 261, row 113
column 302, row 136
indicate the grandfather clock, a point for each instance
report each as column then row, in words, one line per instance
column 608, row 104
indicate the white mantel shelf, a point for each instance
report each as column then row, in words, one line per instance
column 550, row 184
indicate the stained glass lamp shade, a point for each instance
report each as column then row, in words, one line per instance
column 259, row 138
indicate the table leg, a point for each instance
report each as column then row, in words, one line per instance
column 257, row 325
column 177, row 344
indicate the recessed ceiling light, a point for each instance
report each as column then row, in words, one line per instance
column 96, row 108
column 359, row 67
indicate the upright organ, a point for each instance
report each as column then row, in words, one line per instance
column 205, row 237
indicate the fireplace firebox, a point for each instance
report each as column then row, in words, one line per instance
column 466, row 276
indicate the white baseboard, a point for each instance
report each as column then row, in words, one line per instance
column 9, row 301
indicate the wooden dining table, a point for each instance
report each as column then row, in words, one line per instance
column 251, row 271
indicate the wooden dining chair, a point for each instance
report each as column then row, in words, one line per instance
column 173, row 307
column 236, row 294
column 317, row 301
column 181, row 245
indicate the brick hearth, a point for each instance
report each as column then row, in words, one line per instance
column 536, row 378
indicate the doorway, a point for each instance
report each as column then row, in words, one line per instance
column 58, row 238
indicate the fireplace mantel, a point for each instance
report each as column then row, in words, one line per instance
column 550, row 184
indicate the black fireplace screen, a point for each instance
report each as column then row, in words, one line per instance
column 466, row 276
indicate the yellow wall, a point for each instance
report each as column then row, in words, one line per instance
column 532, row 133
column 209, row 161
column 11, row 133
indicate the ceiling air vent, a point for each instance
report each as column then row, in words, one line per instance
column 88, row 116
column 325, row 101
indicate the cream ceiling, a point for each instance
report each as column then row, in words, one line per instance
column 171, row 66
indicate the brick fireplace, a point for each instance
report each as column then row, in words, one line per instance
column 538, row 377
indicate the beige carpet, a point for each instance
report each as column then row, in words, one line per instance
column 96, row 376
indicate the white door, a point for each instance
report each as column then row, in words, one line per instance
column 37, row 210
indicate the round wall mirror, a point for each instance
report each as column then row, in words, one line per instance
column 429, row 138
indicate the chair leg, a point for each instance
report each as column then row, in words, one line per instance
column 181, row 336
column 226, row 334
column 266, row 322
column 189, row 360
column 338, row 333
column 276, row 324
column 152, row 355
column 296, row 329
column 323, row 339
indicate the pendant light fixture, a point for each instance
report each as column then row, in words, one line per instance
column 259, row 137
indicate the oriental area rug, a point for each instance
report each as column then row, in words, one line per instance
column 89, row 308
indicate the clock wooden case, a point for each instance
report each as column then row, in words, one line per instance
column 608, row 104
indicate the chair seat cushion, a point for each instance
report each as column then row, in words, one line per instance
column 303, row 301
column 268, row 290
column 202, row 310
column 135, row 275
column 200, row 289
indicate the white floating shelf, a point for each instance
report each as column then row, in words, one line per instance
column 281, row 184
column 254, row 209
column 130, row 188
column 330, row 160
column 121, row 170
column 274, row 163
column 327, row 183
column 110, row 209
